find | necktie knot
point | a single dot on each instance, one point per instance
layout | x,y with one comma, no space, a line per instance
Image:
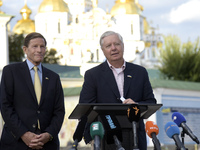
35,68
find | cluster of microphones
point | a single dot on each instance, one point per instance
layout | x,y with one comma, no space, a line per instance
109,129
172,131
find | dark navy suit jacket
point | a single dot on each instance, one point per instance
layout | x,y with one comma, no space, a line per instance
100,87
20,109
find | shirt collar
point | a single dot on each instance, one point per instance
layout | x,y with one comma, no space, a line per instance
30,65
123,66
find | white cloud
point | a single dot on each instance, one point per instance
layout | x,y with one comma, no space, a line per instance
186,12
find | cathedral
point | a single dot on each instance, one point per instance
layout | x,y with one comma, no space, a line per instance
73,28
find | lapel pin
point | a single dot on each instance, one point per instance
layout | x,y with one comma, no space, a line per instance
129,76
46,78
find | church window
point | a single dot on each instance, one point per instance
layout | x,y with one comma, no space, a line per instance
72,51
131,28
59,26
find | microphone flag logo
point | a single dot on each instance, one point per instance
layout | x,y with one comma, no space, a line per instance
136,110
95,126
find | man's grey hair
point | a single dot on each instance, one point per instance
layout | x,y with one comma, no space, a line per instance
108,33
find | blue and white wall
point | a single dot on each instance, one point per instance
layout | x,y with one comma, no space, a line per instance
185,102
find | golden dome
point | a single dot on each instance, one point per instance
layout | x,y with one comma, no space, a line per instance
146,26
140,6
53,6
125,7
25,25
1,3
25,12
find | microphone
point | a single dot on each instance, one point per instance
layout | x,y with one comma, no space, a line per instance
152,130
113,133
173,131
180,120
133,114
97,133
78,134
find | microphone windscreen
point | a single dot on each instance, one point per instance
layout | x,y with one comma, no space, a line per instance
150,128
112,127
178,118
78,134
133,113
96,128
171,129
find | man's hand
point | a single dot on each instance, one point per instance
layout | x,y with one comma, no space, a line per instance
28,137
44,137
35,141
129,101
40,140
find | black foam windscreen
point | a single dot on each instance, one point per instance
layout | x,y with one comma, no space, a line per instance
111,127
133,113
78,134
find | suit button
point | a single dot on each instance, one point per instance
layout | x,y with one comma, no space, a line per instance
34,126
38,112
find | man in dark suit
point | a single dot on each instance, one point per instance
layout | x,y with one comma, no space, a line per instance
31,121
117,81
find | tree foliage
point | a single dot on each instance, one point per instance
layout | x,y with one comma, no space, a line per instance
50,57
16,53
180,61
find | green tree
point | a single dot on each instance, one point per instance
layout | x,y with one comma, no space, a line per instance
50,57
16,53
180,61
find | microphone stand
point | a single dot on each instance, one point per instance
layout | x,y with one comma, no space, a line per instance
118,144
182,137
74,145
135,143
97,143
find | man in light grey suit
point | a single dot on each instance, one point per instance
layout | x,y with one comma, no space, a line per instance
31,123
117,81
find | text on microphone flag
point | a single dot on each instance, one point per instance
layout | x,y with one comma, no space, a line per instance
110,122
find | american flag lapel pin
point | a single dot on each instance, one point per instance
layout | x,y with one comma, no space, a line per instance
129,76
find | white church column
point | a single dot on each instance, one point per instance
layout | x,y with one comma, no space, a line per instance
4,57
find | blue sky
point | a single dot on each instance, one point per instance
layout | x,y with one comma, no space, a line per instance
178,17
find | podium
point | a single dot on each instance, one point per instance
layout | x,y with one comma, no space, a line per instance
93,110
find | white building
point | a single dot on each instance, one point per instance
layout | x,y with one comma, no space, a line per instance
4,57
73,28
4,20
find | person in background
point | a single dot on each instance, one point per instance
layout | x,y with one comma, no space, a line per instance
32,101
117,81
